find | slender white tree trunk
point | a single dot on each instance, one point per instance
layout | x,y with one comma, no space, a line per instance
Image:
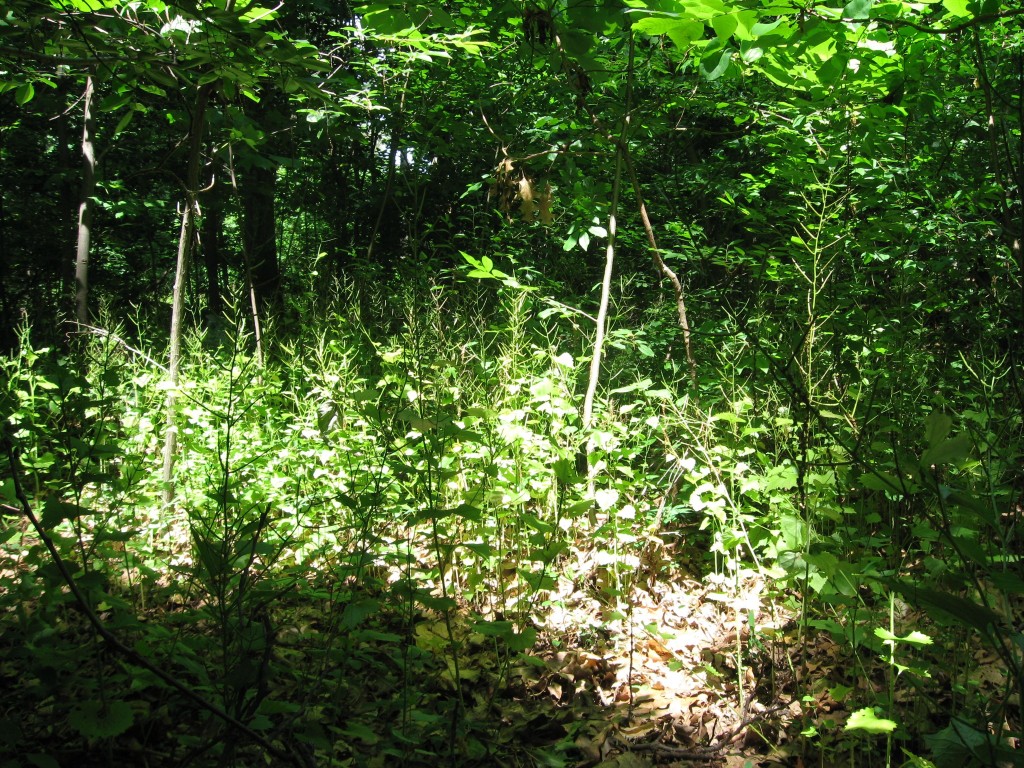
186,239
85,205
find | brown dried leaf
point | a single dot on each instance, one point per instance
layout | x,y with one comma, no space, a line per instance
526,189
546,197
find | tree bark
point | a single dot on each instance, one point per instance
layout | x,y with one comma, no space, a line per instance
260,229
186,239
210,240
85,205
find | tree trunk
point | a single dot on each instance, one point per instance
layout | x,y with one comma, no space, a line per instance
260,229
186,239
210,239
85,205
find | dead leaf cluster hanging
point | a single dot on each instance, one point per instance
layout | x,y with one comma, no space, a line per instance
538,26
513,188
504,189
537,205
579,80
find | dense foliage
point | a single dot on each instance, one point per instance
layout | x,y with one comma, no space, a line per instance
533,383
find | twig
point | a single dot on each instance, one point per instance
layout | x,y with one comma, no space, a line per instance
117,339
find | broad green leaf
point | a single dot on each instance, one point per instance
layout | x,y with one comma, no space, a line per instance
884,481
8,494
24,94
724,26
682,31
857,9
55,512
956,7
745,23
714,66
94,720
364,733
116,101
937,427
794,532
125,121
866,720
751,54
763,28
686,33
947,452
658,25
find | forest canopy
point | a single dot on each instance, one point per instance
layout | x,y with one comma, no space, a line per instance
556,383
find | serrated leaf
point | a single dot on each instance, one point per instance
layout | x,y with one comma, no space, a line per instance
914,638
947,452
606,498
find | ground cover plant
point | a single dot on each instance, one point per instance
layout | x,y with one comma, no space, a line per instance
526,384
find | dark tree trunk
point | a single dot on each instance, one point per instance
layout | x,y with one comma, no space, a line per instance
260,231
210,239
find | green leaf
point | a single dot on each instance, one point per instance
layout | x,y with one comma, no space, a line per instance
681,31
866,720
936,427
125,120
914,638
7,493
963,610
857,9
24,94
55,512
724,26
516,641
715,65
947,452
956,7
116,101
94,720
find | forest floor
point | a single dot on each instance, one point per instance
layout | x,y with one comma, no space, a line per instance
692,670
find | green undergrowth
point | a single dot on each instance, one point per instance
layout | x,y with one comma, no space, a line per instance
370,533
